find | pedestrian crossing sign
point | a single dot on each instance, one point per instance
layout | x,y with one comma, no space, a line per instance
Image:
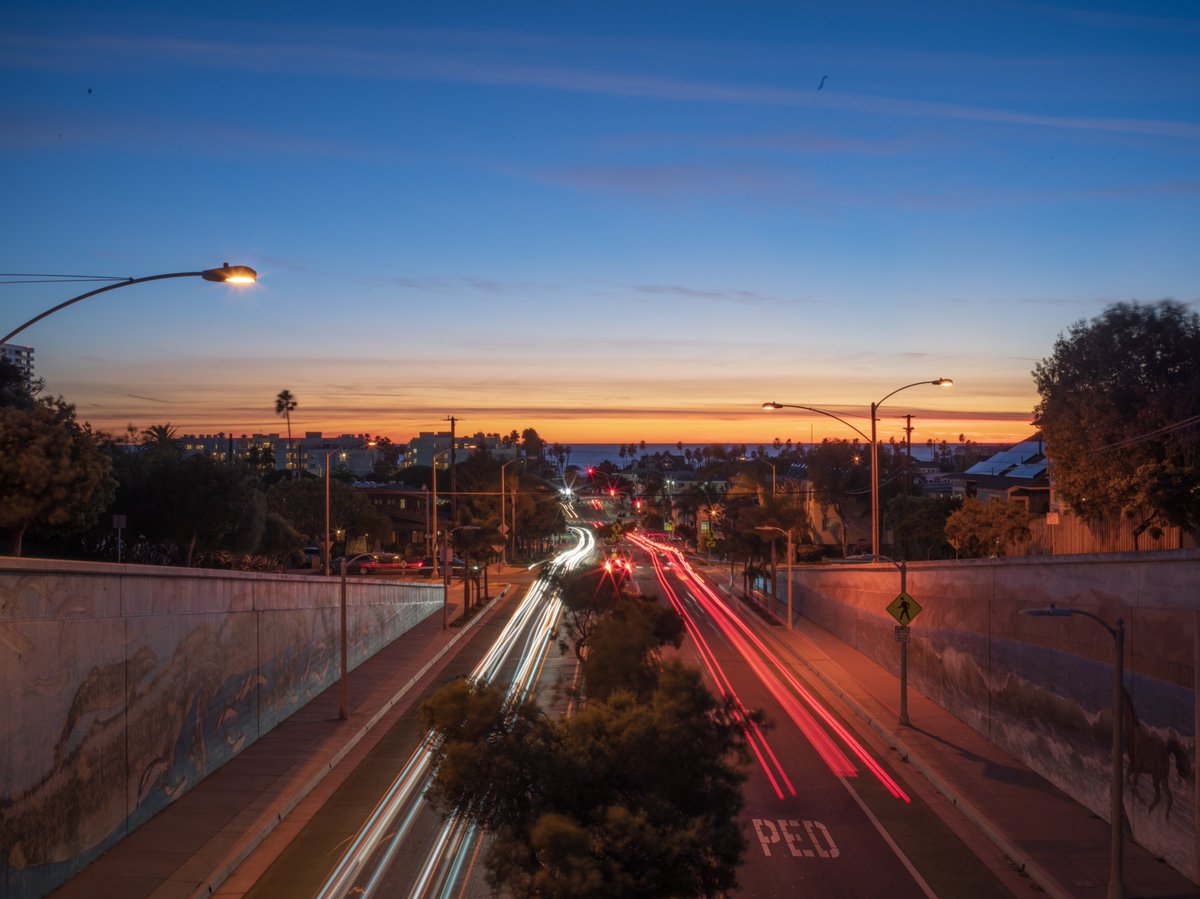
904,608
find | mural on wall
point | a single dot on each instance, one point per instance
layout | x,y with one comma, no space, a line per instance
112,717
1055,715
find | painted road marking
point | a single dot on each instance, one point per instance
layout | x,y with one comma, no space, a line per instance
814,842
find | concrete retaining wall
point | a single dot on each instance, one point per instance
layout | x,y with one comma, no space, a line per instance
122,686
1042,687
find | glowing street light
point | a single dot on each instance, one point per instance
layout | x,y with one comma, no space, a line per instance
1116,861
872,440
788,533
939,382
226,274
328,545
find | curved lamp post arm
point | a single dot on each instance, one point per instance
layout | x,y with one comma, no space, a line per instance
230,274
820,412
937,382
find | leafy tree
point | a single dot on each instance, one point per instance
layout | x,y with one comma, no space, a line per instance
919,526
302,504
627,798
15,388
985,528
198,503
840,470
1120,411
285,405
533,445
52,475
623,649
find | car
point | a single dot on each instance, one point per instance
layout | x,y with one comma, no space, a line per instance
456,566
374,563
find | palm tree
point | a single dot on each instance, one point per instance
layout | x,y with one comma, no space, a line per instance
285,403
162,438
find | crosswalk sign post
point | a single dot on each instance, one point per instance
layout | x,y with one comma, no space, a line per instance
904,609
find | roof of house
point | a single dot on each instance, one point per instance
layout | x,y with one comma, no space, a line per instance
1025,460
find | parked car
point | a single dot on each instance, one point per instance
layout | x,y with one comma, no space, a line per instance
375,563
456,566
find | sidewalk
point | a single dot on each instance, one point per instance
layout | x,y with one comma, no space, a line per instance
1059,844
194,846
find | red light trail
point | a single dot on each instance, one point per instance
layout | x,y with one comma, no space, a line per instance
782,684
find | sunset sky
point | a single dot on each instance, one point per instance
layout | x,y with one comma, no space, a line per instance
609,221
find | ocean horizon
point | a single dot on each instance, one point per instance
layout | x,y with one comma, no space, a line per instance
584,454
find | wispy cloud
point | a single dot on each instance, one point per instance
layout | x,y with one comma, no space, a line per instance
719,295
451,58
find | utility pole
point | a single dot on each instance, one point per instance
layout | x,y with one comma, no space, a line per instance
453,473
908,429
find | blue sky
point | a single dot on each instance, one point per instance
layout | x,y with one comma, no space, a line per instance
611,222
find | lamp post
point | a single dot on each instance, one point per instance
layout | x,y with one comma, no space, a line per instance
938,382
902,567
504,527
788,534
227,274
328,545
772,406
446,572
1116,868
433,463
344,701
872,441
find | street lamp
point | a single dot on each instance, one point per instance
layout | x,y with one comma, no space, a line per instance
872,440
788,534
939,382
773,406
446,572
503,526
226,274
433,463
344,701
901,635
1116,869
328,545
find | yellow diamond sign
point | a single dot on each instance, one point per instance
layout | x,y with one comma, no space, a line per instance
904,608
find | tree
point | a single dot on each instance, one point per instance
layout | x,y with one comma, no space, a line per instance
629,797
1120,412
919,526
302,504
15,388
285,405
162,440
198,502
52,474
981,529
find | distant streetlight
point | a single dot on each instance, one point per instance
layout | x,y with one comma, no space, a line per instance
226,274
328,545
436,452
788,534
938,382
872,440
1116,869
448,563
504,529
344,702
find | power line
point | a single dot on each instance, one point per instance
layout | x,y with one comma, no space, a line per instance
1150,435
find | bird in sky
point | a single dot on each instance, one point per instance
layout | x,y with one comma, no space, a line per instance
822,84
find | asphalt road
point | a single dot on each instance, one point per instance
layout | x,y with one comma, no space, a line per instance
826,812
